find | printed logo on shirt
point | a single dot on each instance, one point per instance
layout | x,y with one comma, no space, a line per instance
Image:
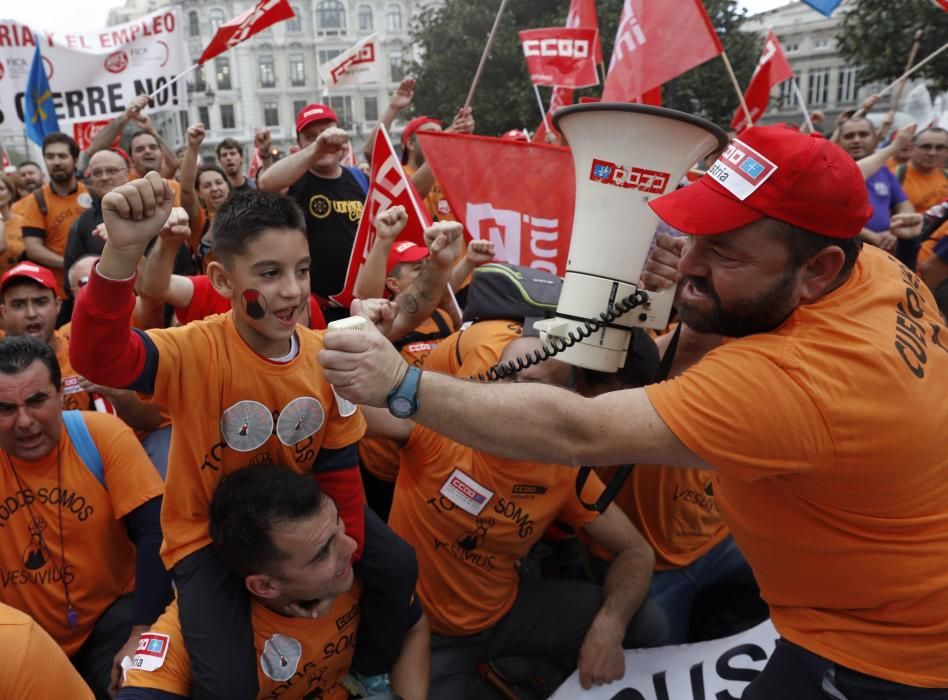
881,189
84,200
246,425
320,206
345,407
471,540
280,657
347,618
71,385
152,650
465,493
527,490
741,170
301,418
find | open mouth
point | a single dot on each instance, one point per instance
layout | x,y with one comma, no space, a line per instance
30,441
287,316
33,328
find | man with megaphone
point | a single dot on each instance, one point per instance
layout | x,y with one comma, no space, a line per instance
820,414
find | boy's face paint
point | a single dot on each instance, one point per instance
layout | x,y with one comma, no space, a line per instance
255,304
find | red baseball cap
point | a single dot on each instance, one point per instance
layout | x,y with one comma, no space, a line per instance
772,171
314,113
416,124
27,270
405,252
516,135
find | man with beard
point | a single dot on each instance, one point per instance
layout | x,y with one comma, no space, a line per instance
231,157
50,211
31,174
844,524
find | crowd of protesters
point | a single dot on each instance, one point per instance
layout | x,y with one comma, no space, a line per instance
191,509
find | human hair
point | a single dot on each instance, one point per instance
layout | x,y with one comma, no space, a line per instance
246,215
19,352
211,169
228,144
249,504
854,120
802,244
59,137
11,185
929,130
141,132
30,162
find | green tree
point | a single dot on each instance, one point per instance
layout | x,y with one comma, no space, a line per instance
450,39
876,35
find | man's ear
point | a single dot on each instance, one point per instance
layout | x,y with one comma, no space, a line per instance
818,274
221,280
391,285
263,586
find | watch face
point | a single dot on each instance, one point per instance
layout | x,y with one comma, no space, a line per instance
401,406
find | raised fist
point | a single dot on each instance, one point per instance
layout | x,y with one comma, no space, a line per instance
134,213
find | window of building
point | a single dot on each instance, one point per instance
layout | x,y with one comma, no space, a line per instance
204,116
200,79
194,27
326,55
787,98
330,17
846,88
216,18
393,18
222,70
342,106
395,61
817,86
370,108
294,25
267,74
228,120
297,70
823,42
271,113
365,18
298,106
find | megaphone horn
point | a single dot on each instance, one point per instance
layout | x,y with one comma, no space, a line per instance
623,156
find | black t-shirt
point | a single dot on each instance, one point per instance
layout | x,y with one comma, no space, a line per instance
249,185
332,208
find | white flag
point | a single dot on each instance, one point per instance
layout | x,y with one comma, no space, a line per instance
359,65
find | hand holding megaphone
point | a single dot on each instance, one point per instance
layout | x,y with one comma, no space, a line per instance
661,268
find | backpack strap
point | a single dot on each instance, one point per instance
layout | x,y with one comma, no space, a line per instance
360,177
81,440
900,173
41,201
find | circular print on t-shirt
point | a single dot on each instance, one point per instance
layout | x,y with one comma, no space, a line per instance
246,425
301,418
280,657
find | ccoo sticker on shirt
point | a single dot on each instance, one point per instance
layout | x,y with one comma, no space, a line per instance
465,493
151,653
741,170
71,385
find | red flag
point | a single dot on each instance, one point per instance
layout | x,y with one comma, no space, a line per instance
244,26
390,186
657,41
518,195
562,97
559,56
582,13
256,162
772,69
942,4
7,165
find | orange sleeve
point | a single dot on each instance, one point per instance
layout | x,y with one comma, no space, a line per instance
130,476
573,512
33,665
173,675
746,415
32,216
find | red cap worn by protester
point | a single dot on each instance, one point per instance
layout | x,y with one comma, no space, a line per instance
405,252
516,135
28,270
314,113
416,124
772,171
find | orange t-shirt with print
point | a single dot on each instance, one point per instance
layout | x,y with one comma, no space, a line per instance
32,666
474,349
75,398
233,408
831,475
61,213
13,232
928,246
470,517
99,564
299,658
925,190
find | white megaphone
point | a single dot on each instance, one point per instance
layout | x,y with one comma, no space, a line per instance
623,155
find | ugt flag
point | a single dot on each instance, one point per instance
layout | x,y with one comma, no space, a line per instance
824,7
38,108
561,57
356,66
657,41
772,69
518,195
390,186
245,25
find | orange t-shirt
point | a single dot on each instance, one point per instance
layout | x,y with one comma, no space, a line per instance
13,232
299,658
74,397
473,350
470,516
826,437
99,563
925,190
928,247
60,215
32,666
232,408
436,203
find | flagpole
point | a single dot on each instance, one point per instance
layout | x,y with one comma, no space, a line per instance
737,88
174,80
546,121
487,48
907,73
806,112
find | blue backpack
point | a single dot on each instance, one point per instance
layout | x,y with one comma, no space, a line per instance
78,433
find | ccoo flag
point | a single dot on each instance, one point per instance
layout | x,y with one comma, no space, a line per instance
38,109
245,25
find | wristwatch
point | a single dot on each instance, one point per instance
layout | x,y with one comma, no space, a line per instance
403,401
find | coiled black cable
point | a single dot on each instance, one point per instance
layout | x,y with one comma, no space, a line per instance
507,369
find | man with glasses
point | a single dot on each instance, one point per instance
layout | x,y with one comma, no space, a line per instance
924,178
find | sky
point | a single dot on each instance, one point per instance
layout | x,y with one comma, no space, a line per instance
77,15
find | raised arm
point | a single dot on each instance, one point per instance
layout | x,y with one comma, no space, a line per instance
285,172
463,123
370,282
479,252
158,279
871,164
105,138
169,161
189,197
263,142
400,100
